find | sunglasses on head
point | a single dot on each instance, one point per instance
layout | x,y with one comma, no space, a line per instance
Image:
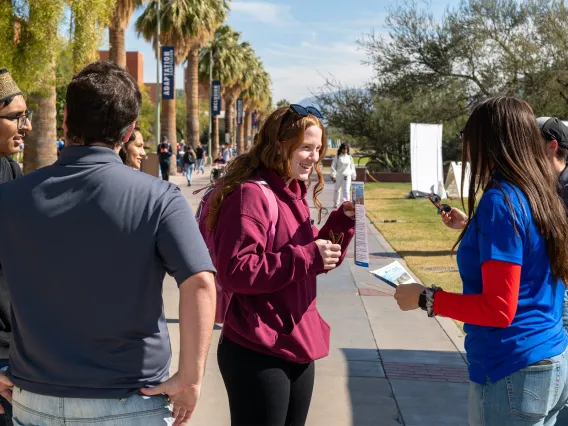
304,112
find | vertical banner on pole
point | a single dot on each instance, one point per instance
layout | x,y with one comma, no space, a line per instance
361,243
239,112
216,98
168,72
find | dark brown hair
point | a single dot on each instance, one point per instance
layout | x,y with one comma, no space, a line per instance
281,134
502,138
102,101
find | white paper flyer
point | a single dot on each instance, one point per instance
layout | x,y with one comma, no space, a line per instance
394,274
361,243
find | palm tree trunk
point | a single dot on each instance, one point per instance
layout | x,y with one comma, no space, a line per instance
229,118
214,137
168,120
240,139
247,129
40,148
192,97
117,51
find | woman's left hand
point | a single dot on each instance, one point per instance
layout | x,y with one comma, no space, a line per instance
349,209
407,295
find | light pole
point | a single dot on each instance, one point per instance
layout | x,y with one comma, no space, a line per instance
158,97
209,161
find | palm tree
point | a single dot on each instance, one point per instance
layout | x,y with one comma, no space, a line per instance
120,19
36,47
227,63
232,91
199,27
250,66
256,97
186,25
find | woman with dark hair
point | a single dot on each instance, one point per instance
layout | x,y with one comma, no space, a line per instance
132,152
513,261
188,163
268,254
342,172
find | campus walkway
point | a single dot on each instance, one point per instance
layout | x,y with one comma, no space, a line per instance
386,367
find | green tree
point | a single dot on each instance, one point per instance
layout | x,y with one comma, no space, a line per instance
120,20
282,102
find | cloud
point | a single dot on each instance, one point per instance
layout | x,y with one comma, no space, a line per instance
296,82
267,13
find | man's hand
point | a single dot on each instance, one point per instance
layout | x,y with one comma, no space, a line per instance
183,397
6,387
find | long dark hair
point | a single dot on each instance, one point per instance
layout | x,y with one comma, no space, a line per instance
281,133
502,138
343,146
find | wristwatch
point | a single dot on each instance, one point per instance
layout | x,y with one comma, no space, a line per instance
426,300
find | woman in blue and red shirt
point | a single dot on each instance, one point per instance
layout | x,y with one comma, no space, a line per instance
513,260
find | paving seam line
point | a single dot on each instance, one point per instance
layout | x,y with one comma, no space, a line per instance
383,241
400,418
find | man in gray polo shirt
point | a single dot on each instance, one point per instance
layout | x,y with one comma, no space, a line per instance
85,246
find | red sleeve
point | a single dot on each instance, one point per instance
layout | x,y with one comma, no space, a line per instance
243,264
337,222
496,306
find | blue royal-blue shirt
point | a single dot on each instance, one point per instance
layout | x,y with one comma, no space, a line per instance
506,231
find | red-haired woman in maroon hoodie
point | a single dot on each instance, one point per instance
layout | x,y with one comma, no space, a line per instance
273,332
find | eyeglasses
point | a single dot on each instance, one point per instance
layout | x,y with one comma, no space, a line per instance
22,119
304,112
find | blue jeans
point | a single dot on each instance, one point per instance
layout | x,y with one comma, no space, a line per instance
533,396
31,409
189,171
6,418
200,166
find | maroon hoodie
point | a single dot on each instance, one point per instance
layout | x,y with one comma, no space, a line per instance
273,310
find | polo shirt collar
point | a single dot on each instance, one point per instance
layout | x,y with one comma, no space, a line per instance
88,155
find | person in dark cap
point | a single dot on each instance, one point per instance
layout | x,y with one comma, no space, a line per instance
555,132
15,121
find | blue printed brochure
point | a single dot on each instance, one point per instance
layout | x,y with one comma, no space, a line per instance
393,274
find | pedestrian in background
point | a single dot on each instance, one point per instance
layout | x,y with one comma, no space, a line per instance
268,255
188,164
513,261
165,155
91,335
342,173
200,156
132,152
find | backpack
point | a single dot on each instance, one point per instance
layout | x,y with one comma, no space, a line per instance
223,296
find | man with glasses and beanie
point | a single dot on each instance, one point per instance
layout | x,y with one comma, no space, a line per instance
15,121
90,341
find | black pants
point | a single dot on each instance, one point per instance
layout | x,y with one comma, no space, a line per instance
165,170
264,390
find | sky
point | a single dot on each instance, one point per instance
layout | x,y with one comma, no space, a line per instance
301,43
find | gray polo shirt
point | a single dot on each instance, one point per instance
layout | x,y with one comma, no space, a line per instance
85,247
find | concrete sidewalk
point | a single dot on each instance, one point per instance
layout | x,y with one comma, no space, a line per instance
385,367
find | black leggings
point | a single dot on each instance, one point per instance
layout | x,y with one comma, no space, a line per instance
264,390
165,170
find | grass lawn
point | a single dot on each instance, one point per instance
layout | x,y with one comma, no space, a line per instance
422,240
